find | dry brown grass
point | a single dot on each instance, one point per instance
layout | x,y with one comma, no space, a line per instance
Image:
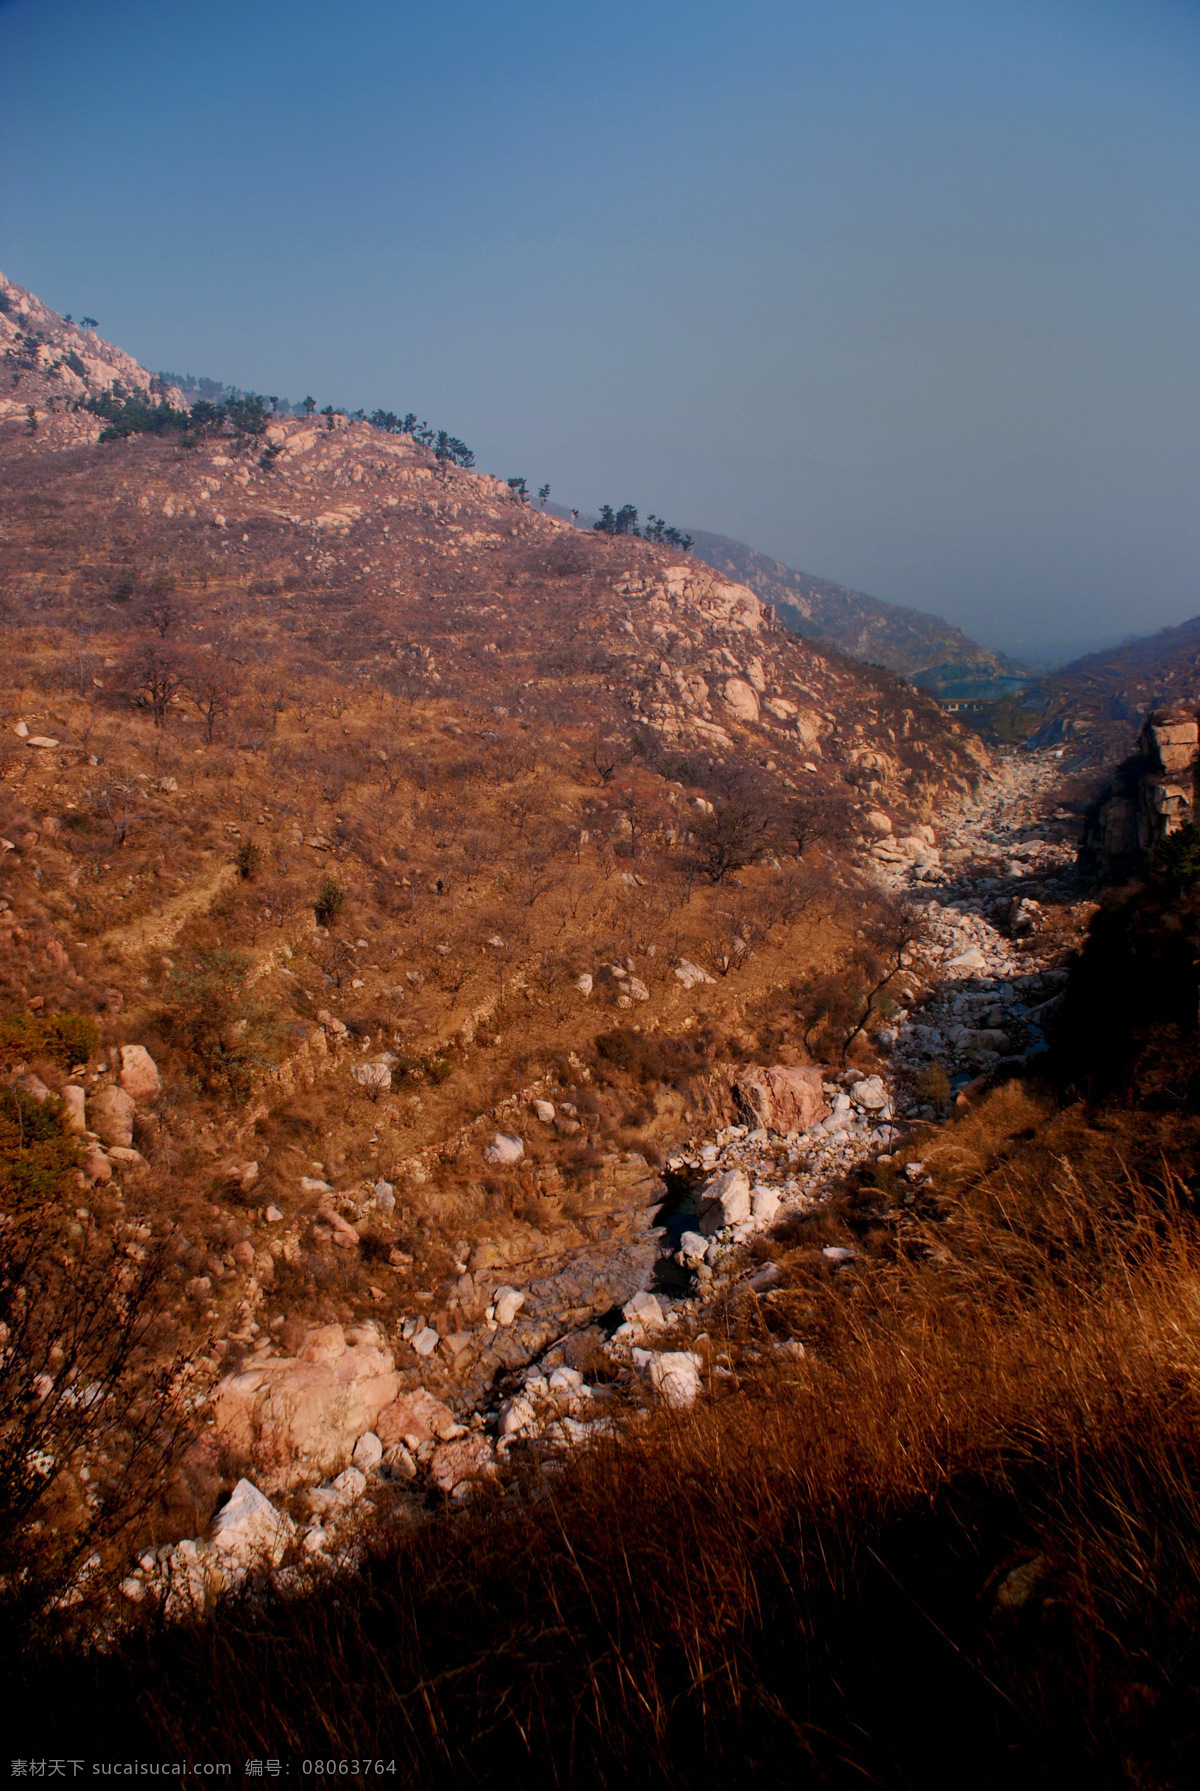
963,1534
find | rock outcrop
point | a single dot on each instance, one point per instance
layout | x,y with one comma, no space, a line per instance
298,1418
782,1099
1153,794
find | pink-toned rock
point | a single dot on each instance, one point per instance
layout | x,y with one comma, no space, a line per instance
453,1466
741,699
297,1419
97,1168
782,1099
111,1113
326,1344
139,1073
344,1234
417,1415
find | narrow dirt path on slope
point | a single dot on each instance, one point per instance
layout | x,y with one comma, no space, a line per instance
163,927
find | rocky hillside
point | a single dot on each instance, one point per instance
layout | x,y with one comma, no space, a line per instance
392,878
889,634
53,365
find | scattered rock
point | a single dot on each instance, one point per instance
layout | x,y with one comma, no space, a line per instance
374,1077
453,1466
302,1417
764,1205
674,1375
741,699
644,1310
690,974
516,1415
368,1452
97,1168
75,1103
415,1418
692,1248
1018,1587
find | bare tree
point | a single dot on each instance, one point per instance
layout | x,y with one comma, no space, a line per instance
116,804
731,836
92,1399
212,689
156,674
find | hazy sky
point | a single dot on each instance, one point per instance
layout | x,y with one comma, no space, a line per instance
902,291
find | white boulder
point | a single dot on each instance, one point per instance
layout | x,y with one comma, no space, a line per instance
674,1375
139,1075
506,1303
368,1452
724,1201
249,1530
504,1148
690,974
764,1205
643,1309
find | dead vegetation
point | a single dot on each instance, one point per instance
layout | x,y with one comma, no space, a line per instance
962,1530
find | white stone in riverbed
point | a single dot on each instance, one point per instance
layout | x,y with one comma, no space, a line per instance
643,1309
516,1415
506,1303
764,1205
725,1201
249,1529
350,1484
692,1246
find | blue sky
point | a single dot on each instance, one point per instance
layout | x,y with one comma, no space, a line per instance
903,293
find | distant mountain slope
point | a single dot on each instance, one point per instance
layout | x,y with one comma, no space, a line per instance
904,640
1098,702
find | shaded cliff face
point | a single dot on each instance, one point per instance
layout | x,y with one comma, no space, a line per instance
889,634
1153,796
